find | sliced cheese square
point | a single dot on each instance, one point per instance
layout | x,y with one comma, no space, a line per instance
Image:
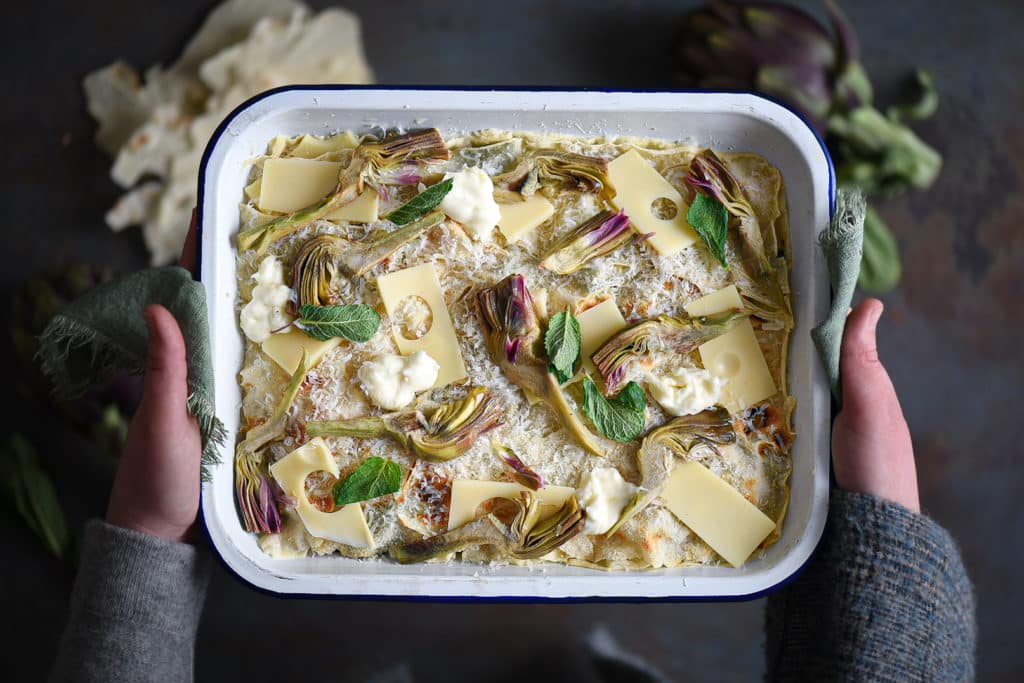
440,341
716,302
637,186
520,218
285,349
292,184
346,525
468,494
362,209
716,512
311,146
597,325
734,356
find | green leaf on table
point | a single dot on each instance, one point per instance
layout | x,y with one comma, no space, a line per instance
421,204
621,417
710,220
29,489
563,342
376,477
356,322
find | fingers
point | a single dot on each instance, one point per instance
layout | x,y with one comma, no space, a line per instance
865,380
166,382
189,253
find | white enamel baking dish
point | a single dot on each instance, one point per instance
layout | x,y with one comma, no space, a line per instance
727,121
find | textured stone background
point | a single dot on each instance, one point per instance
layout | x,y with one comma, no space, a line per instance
951,335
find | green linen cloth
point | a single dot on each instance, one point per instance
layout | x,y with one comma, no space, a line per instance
104,331
842,242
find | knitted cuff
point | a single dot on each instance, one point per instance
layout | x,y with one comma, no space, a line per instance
135,577
886,597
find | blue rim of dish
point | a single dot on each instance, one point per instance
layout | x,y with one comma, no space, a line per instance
513,599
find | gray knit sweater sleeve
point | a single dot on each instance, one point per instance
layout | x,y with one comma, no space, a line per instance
134,608
886,598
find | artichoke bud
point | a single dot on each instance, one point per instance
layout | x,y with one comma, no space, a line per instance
508,318
599,236
315,270
566,170
402,159
453,427
664,333
525,537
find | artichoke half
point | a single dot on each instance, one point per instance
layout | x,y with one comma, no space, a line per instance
674,439
598,236
448,432
394,160
525,537
754,260
513,338
564,170
323,258
259,510
664,333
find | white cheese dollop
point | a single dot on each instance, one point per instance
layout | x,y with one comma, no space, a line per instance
471,202
686,391
392,381
266,311
603,494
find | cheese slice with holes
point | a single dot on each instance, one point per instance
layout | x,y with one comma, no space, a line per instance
311,146
521,218
362,209
597,325
285,349
468,494
346,525
292,184
734,356
716,512
440,341
637,186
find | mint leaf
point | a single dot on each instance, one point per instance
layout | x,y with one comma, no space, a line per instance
621,417
357,322
563,342
710,220
376,477
421,204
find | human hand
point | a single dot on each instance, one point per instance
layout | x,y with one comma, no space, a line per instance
871,448
156,489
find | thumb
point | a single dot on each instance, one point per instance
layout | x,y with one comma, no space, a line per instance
866,384
166,382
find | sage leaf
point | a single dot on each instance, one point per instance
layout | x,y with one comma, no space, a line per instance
620,418
29,488
421,204
563,342
376,477
710,220
356,322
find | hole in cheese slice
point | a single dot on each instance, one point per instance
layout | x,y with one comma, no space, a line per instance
468,494
638,186
440,342
346,525
734,356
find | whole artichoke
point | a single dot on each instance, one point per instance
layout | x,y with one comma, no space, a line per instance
783,52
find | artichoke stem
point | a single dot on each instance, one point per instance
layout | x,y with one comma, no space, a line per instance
569,417
361,257
360,428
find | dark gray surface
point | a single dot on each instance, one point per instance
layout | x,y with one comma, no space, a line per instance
952,334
